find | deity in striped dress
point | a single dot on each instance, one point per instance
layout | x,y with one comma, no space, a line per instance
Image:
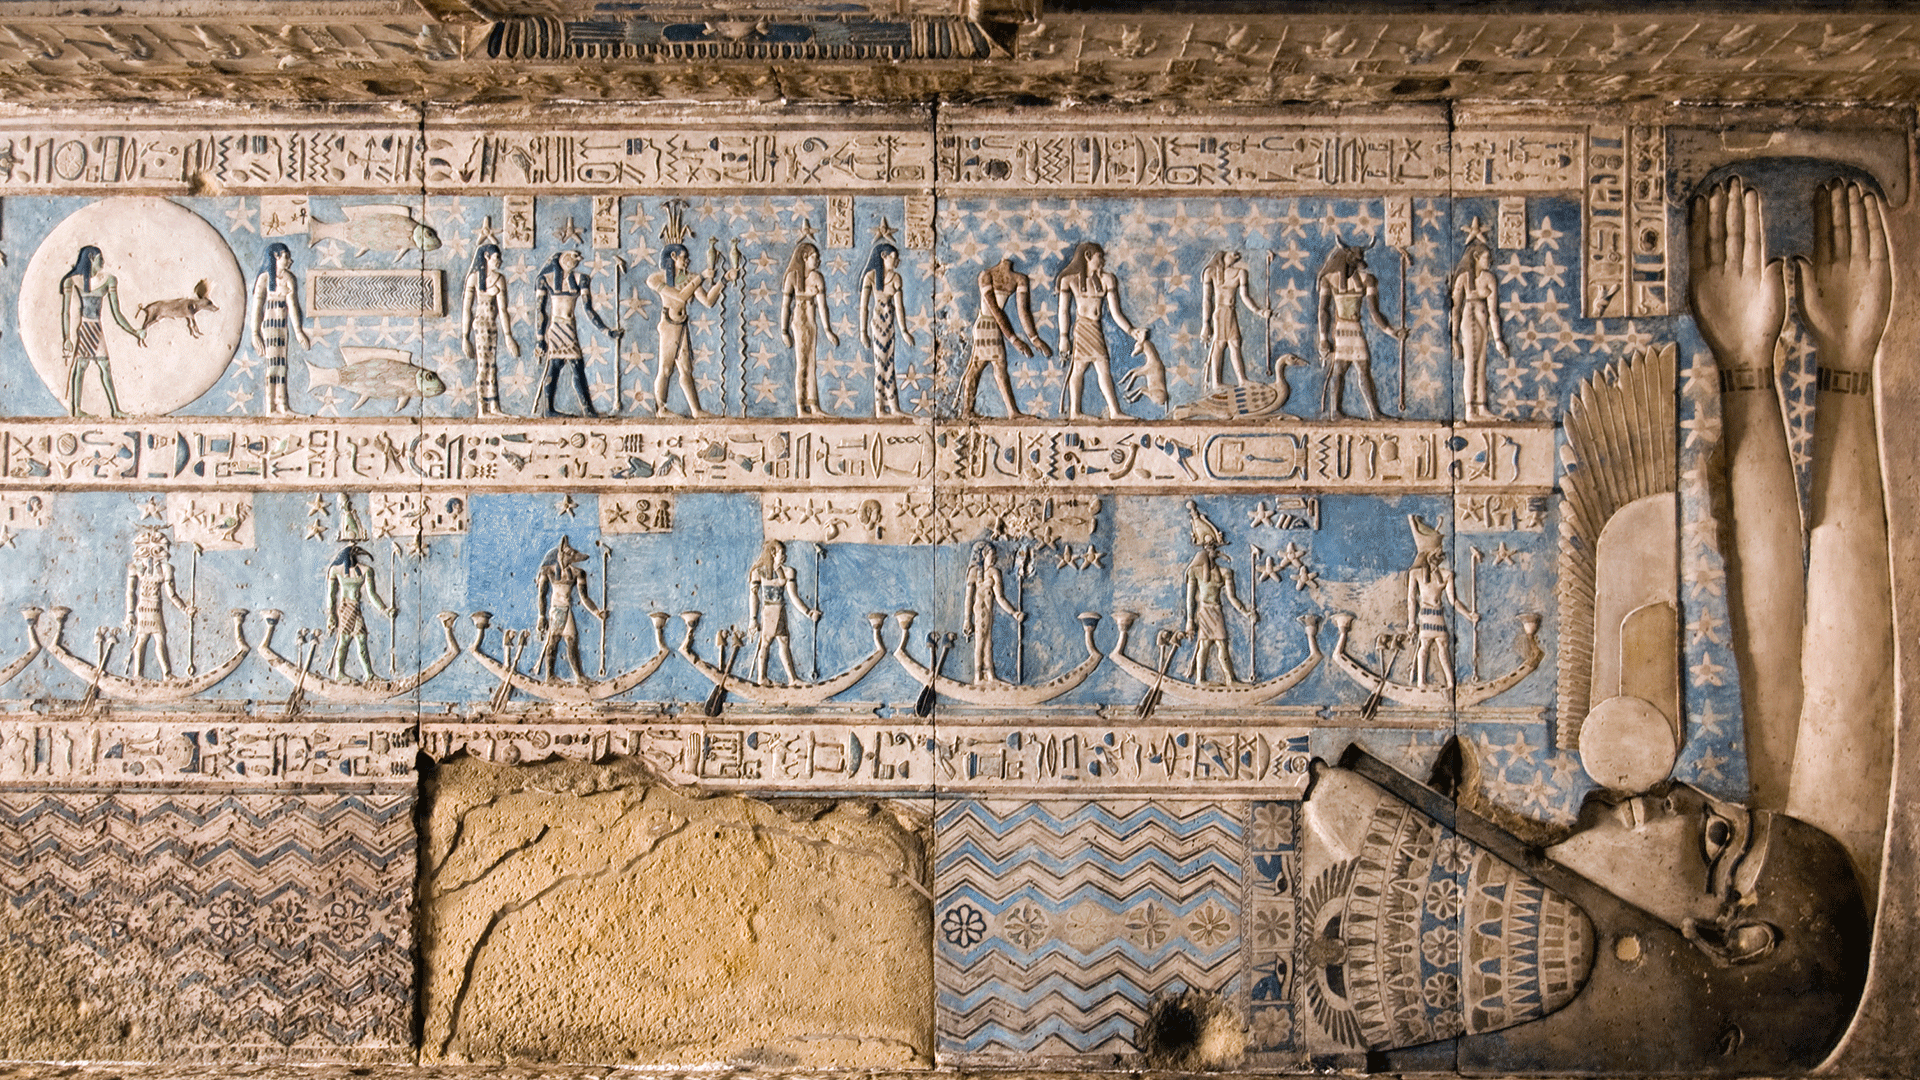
274,307
484,320
882,312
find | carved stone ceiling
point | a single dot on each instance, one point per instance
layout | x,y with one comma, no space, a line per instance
474,51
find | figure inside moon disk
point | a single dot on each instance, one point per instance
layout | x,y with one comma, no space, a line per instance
85,292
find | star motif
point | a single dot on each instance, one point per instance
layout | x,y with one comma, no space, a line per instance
240,217
1564,769
1267,570
487,234
1259,515
6,536
152,508
1709,719
1304,579
1503,555
1546,236
568,506
1293,557
883,234
1709,765
568,233
316,530
1092,559
806,230
1064,557
1475,230
419,548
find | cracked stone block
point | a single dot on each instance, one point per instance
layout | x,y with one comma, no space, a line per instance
582,913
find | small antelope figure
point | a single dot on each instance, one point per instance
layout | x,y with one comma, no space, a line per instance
186,307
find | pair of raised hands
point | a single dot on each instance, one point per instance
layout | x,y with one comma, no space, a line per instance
1844,291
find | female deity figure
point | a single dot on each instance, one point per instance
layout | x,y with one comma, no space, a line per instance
770,584
882,310
484,320
1085,285
562,288
803,315
1346,288
1224,287
985,592
274,307
83,291
1475,315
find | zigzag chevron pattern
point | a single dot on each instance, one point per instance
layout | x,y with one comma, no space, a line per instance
280,922
1058,924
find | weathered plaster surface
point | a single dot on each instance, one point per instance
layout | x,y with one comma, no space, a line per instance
582,912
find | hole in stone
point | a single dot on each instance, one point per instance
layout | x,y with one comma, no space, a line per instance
1191,1031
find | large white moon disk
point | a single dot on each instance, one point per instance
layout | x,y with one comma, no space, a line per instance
158,250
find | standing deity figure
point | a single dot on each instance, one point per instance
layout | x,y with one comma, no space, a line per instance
83,292
1223,288
803,317
678,287
1209,588
1476,321
484,320
882,311
1430,589
992,330
556,587
350,586
770,584
150,583
985,593
274,307
557,341
1085,285
1345,286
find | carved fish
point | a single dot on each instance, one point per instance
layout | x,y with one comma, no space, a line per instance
376,225
373,372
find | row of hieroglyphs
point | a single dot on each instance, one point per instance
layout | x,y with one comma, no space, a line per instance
1247,158
898,758
266,455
